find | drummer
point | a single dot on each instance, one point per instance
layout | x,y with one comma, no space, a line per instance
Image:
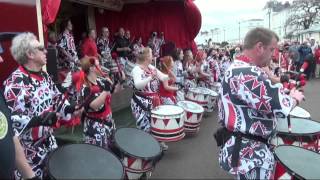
247,107
95,95
167,89
146,80
34,101
205,80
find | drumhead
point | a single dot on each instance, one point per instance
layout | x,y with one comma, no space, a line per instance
84,161
137,143
302,162
300,112
202,90
191,106
167,110
299,126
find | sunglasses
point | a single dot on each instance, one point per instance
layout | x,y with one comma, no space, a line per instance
40,48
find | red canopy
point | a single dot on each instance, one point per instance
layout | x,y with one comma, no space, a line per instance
179,20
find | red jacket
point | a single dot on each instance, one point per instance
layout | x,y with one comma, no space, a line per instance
317,55
89,48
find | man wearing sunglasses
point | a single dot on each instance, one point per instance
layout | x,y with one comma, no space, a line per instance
34,101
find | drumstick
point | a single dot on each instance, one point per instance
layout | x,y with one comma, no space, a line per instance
289,123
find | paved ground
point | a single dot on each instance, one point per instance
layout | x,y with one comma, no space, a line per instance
196,157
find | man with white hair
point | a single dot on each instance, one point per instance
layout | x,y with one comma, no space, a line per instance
34,101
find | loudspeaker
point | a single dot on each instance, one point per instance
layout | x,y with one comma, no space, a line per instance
52,62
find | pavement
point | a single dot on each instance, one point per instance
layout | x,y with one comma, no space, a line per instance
196,157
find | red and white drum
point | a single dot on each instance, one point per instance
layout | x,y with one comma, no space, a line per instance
167,123
203,96
305,133
193,116
139,151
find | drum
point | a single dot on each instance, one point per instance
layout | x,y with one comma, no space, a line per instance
84,161
203,96
298,162
300,112
304,133
139,151
193,116
167,123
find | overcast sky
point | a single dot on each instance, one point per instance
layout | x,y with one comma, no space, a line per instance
226,14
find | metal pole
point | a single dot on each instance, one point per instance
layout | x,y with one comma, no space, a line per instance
239,33
269,13
224,35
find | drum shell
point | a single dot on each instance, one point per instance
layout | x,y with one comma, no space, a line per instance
168,128
134,165
204,97
192,118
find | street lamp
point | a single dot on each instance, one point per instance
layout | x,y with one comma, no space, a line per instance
239,33
269,14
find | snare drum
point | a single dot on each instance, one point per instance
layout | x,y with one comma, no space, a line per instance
193,116
84,161
167,123
297,162
139,151
304,133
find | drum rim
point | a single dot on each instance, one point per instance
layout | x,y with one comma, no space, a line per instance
157,114
54,151
200,107
299,134
216,94
127,153
291,172
299,107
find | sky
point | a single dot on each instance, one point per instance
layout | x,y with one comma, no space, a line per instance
226,15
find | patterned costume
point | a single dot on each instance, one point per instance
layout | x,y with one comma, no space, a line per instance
104,50
190,81
30,94
145,96
249,104
205,81
214,68
178,72
167,97
66,42
98,125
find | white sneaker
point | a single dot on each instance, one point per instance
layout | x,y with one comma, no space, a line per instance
164,146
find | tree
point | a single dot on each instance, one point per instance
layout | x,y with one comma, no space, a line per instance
304,13
276,6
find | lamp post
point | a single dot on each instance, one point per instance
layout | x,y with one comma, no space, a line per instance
269,16
239,33
224,34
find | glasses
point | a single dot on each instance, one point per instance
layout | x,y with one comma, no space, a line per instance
40,48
